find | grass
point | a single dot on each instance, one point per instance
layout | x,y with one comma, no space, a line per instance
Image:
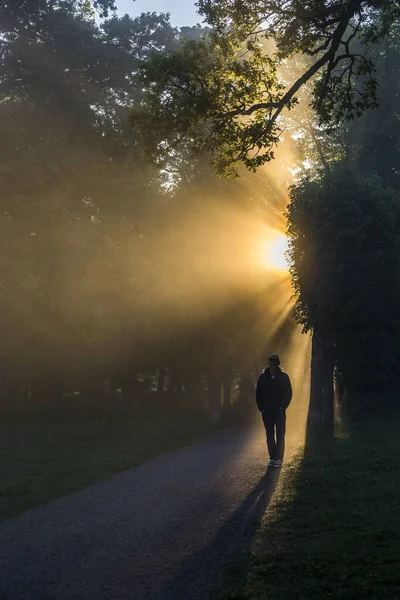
45,457
333,529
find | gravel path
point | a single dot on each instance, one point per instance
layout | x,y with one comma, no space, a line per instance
162,531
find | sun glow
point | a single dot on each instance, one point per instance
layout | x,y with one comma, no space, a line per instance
273,252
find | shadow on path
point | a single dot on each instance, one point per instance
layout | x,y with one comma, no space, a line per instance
202,575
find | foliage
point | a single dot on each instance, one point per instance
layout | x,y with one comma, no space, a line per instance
88,305
374,139
224,93
69,210
93,268
345,253
370,141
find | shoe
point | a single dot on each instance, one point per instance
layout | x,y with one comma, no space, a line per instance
272,463
278,464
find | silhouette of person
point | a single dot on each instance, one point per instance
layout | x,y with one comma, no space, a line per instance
273,396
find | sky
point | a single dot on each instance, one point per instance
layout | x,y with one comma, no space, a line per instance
183,12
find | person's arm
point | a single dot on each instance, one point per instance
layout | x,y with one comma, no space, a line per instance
259,393
287,395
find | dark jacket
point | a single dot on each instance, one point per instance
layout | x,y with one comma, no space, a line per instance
273,393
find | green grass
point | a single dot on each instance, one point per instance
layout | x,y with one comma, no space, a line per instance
46,457
333,529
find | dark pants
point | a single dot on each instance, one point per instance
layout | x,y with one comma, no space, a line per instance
275,427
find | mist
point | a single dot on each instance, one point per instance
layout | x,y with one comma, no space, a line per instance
187,403
117,280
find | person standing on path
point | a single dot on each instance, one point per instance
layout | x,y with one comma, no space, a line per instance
273,396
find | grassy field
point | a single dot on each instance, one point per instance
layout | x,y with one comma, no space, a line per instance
333,528
45,457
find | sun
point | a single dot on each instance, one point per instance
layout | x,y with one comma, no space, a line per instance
273,253
278,248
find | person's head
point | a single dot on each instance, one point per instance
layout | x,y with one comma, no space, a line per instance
273,363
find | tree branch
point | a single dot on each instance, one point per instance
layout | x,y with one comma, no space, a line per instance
353,7
328,57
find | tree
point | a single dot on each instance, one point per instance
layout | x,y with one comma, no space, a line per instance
76,194
374,139
91,298
371,143
345,252
224,93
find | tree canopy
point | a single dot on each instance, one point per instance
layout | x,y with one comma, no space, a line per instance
115,270
225,92
111,280
345,253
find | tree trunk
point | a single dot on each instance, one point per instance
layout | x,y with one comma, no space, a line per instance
161,378
171,384
315,408
214,399
194,389
227,383
320,414
340,416
175,383
339,389
328,389
246,389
